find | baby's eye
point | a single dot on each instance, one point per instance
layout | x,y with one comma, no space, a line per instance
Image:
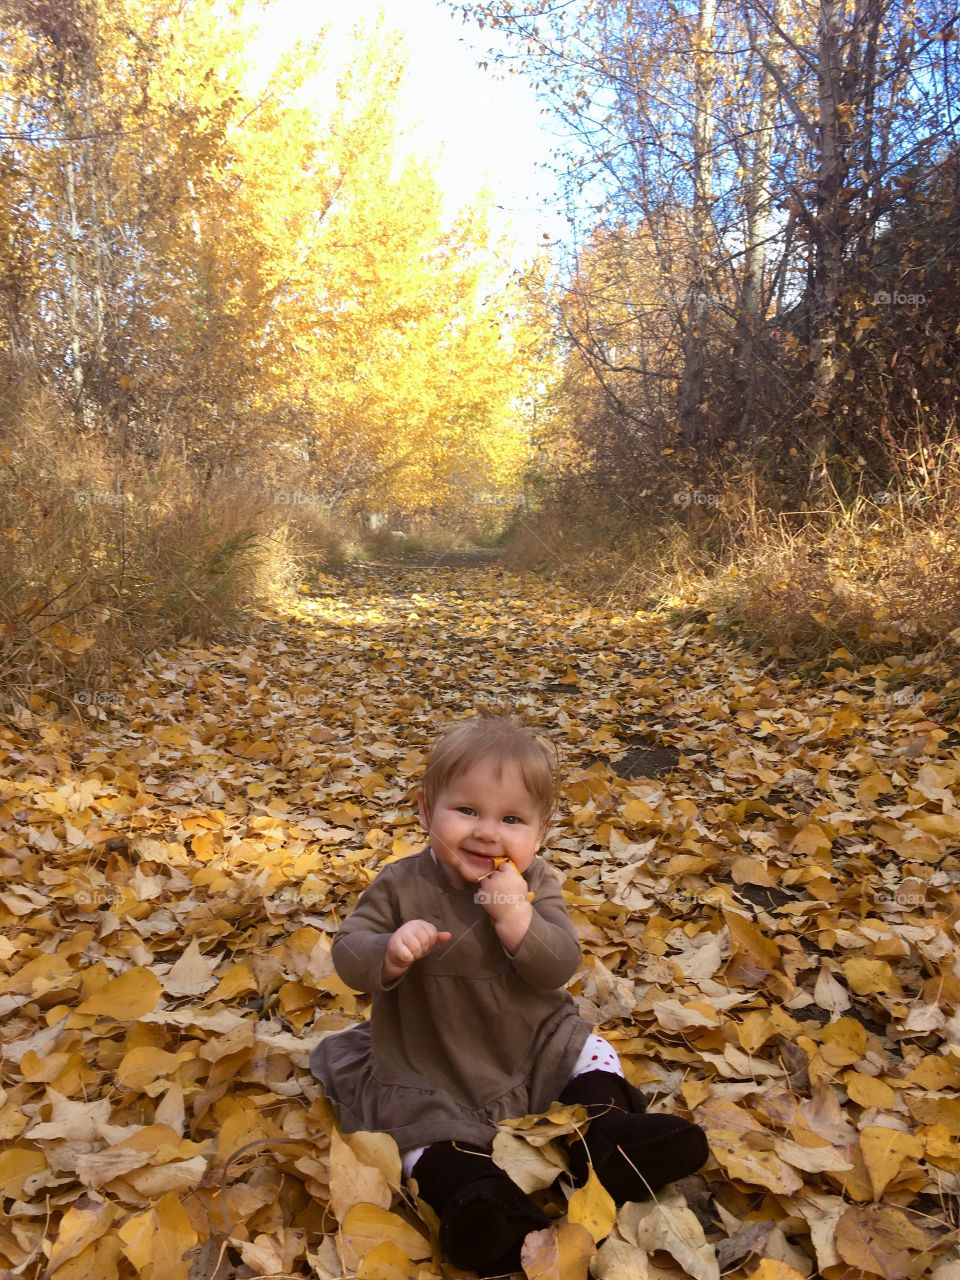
465,808
512,818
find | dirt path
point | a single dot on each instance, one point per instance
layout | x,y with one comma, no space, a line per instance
763,875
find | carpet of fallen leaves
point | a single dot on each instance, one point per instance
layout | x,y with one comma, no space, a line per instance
763,873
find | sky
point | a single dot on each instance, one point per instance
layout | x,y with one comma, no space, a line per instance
486,125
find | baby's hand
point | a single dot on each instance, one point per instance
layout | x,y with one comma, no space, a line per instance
497,864
504,891
412,941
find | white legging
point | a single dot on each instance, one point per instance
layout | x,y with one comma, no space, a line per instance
596,1055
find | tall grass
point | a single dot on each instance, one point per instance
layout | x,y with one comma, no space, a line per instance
874,571
102,562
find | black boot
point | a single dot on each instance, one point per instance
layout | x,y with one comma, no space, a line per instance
484,1216
632,1154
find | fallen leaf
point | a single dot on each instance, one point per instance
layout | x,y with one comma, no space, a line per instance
561,1252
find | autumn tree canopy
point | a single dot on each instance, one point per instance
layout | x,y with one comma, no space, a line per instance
257,273
771,190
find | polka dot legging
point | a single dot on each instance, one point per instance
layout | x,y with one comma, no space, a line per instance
596,1055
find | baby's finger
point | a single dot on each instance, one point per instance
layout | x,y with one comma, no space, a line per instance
444,935
421,937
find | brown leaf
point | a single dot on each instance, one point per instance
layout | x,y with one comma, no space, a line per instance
880,1238
561,1252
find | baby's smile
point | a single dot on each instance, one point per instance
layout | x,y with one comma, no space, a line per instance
482,863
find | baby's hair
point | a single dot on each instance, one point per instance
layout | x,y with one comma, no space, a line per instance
503,741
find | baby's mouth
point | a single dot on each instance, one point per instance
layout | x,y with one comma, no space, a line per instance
486,858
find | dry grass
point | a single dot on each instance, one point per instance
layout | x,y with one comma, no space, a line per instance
102,564
875,573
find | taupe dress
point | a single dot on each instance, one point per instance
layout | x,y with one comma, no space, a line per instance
469,1035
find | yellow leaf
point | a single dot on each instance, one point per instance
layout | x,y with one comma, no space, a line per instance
669,1224
937,1111
366,1226
750,871
637,813
863,325
237,981
728,1129
378,1151
156,1241
843,1042
593,1207
17,1165
80,1226
529,1166
192,975
125,998
755,956
870,977
876,1239
98,1261
810,840
353,1182
387,1262
875,784
206,845
772,1269
619,1260
934,1072
67,641
561,1252
884,1151
143,1065
867,1091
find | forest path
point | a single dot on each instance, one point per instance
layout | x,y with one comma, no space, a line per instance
763,874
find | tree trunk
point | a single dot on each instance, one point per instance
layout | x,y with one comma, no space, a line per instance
691,400
828,229
73,285
759,228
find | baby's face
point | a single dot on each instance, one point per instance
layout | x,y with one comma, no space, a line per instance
478,817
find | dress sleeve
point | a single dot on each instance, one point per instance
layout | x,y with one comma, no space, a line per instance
549,954
361,942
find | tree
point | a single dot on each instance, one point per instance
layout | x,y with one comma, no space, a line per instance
238,271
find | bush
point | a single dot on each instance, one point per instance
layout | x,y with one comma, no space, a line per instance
102,562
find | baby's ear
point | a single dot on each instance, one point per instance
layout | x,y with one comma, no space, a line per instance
423,808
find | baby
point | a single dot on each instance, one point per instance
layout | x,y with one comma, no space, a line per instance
466,947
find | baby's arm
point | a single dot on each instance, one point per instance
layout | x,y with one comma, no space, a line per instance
360,945
374,948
